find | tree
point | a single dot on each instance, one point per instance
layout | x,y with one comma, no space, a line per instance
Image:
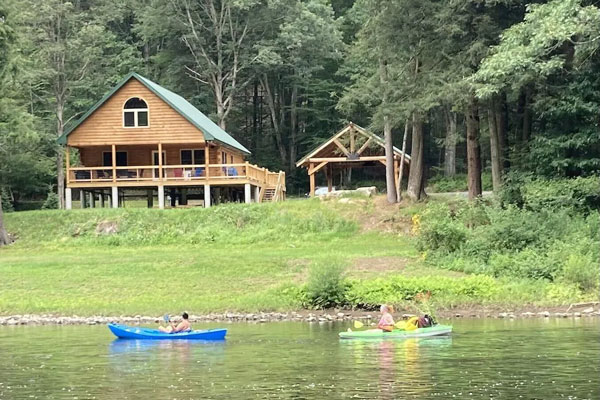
217,35
550,62
292,54
67,45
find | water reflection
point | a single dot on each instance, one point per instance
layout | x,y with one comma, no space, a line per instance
402,364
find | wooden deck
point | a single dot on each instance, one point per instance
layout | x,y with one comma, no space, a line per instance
271,185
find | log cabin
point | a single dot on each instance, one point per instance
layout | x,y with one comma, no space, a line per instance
142,137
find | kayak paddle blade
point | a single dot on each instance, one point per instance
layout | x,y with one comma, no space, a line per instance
358,324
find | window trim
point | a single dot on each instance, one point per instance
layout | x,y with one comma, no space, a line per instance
135,114
192,150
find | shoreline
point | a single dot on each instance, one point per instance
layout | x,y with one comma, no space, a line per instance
583,310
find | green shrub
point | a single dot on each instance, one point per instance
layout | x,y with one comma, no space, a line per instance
7,205
439,231
51,202
326,286
583,271
457,183
399,289
579,194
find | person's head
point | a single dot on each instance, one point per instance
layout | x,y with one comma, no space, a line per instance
386,308
184,315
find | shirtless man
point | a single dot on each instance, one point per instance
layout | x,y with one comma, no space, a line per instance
183,326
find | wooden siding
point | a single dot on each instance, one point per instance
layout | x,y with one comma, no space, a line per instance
105,125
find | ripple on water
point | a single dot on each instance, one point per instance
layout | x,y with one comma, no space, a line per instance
482,359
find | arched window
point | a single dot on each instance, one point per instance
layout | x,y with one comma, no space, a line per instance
135,113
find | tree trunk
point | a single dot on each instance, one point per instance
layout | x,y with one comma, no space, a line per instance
60,172
502,129
293,128
417,166
401,169
473,151
390,173
450,143
495,153
4,239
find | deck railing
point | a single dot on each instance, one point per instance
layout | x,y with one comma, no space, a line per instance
174,173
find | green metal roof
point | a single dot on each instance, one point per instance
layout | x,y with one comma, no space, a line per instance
211,131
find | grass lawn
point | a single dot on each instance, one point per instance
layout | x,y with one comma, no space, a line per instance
158,262
227,258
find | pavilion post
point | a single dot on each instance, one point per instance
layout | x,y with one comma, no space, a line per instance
329,171
311,175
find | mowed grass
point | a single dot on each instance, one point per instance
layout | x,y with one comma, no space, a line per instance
232,257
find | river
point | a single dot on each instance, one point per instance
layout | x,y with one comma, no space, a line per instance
483,358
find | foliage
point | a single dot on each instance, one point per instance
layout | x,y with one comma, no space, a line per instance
7,205
51,202
399,289
579,194
326,286
457,183
553,237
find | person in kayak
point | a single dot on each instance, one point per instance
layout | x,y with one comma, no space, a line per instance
183,326
386,323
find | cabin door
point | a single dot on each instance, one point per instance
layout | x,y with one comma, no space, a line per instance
155,162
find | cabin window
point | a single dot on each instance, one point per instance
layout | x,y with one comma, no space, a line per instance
223,157
135,113
192,157
121,157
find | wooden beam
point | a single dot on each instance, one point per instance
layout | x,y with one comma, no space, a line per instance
325,144
364,146
160,162
352,141
316,169
383,161
312,182
114,162
342,159
207,159
329,171
341,147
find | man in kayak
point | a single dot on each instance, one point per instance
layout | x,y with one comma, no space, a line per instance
183,326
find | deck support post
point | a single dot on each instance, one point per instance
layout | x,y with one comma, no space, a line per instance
256,194
183,198
68,199
82,198
92,200
247,194
161,197
150,198
102,198
206,196
115,197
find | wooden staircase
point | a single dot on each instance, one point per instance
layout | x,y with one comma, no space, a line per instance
270,194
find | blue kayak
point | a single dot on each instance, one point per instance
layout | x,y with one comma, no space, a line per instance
135,332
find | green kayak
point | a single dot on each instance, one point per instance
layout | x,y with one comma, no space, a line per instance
436,330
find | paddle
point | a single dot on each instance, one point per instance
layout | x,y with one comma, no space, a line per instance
398,325
166,318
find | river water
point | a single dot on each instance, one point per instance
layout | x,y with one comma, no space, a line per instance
483,359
